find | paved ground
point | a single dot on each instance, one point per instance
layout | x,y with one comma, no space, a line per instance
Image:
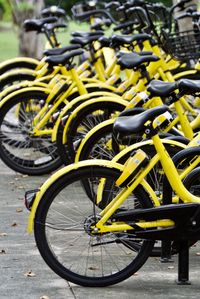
23,273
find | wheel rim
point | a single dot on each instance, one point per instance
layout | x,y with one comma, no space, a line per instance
65,225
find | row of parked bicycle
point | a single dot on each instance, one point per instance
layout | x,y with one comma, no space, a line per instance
45,141
124,108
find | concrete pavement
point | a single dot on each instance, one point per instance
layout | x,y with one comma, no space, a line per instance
24,274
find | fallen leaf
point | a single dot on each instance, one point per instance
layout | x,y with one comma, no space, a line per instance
3,234
18,210
30,274
93,268
14,224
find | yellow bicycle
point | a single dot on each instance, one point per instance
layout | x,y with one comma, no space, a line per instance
104,240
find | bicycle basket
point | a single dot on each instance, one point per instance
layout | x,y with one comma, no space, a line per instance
183,46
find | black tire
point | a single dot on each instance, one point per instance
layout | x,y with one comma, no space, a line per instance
86,118
182,160
63,236
192,181
18,149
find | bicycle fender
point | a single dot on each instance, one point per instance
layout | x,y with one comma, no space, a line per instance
78,101
19,86
22,90
60,173
15,60
87,103
16,72
100,85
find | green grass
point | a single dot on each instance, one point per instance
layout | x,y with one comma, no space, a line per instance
9,41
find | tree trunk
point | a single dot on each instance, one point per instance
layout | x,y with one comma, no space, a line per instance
30,43
186,23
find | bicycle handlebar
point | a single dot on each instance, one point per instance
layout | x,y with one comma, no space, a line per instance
100,23
93,13
112,4
124,25
53,10
137,10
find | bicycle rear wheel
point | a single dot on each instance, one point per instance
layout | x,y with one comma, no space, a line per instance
63,236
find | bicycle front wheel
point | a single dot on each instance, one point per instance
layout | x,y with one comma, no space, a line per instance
85,118
19,149
62,230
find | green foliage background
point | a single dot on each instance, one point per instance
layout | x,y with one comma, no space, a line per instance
67,4
5,12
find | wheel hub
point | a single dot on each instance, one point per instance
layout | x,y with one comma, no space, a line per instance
89,224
